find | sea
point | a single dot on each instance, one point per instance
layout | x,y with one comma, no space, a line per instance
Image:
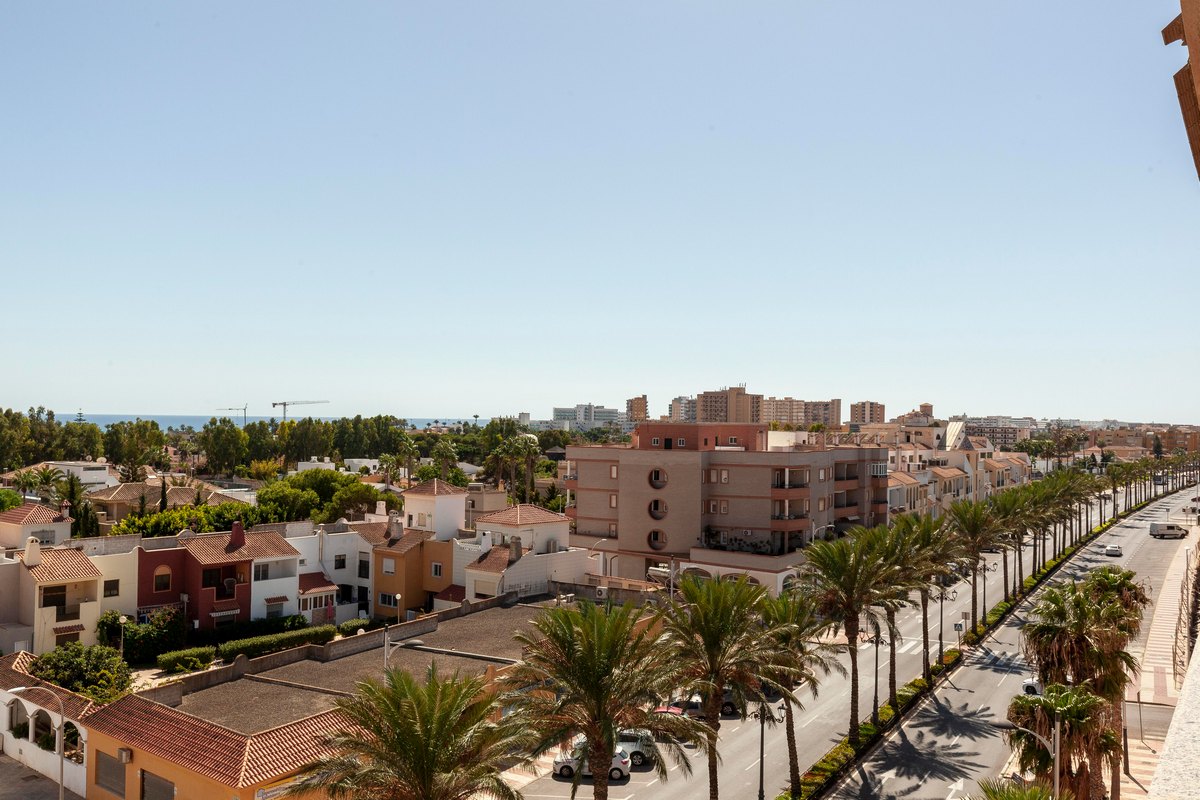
198,421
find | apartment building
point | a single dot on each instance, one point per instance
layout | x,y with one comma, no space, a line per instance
48,525
802,413
867,411
637,409
682,409
586,416
730,404
720,499
1002,431
1185,28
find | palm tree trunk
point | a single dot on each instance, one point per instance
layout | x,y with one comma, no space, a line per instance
1004,560
601,762
852,641
1114,792
891,622
793,754
926,672
974,597
713,718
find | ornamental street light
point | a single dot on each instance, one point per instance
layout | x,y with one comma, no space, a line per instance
764,713
876,638
1051,746
61,733
942,596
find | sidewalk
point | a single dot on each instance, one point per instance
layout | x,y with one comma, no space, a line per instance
1156,681
522,775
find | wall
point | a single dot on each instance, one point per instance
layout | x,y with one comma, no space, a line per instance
531,574
148,560
443,553
188,785
122,567
14,536
39,760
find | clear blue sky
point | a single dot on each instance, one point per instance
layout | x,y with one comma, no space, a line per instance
444,209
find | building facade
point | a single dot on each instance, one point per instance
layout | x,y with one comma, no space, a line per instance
867,411
731,404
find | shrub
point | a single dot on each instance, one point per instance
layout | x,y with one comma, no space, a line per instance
246,630
262,645
352,626
21,730
96,671
187,660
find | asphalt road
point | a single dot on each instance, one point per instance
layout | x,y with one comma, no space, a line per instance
823,722
944,749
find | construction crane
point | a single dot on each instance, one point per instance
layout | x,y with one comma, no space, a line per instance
236,408
286,403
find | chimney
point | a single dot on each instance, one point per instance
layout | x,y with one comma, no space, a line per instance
64,508
514,549
237,538
394,528
380,507
485,542
33,552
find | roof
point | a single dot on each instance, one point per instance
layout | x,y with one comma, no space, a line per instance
282,598
523,514
211,750
452,593
437,486
899,478
312,582
75,628
948,472
14,672
61,564
216,548
372,532
407,541
32,514
494,560
995,464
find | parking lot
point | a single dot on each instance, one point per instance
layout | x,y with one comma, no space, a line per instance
18,782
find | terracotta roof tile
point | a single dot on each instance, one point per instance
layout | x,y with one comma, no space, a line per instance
216,548
14,672
372,532
32,514
283,598
76,628
494,560
407,541
452,593
523,514
311,582
226,605
61,564
283,750
437,486
948,472
900,478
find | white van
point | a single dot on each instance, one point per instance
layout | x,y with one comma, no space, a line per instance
1161,530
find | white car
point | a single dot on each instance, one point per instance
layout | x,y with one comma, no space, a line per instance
1032,686
567,764
1112,550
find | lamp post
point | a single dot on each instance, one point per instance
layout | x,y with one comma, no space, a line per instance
62,734
985,570
1051,746
875,638
122,619
942,597
764,711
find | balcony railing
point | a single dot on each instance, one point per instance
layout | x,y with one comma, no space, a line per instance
792,485
66,613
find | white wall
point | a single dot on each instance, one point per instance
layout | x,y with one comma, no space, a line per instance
444,514
14,535
121,567
34,757
323,558
530,574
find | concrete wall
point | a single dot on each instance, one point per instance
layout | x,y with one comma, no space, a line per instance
532,573
123,568
34,757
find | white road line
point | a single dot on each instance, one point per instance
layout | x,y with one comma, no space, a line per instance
734,730
651,783
753,764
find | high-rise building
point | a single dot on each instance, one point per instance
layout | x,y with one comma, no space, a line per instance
732,404
587,415
868,412
802,413
637,409
1186,28
683,409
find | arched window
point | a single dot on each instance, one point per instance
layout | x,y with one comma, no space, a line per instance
162,578
18,719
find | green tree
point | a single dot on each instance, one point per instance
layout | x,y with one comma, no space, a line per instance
95,671
1083,736
408,740
607,670
81,441
445,456
261,444
1001,789
14,440
290,502
9,499
306,438
977,529
224,444
47,477
350,500
406,451
70,489
126,442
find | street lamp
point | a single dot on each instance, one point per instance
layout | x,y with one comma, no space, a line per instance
122,619
877,639
942,596
764,712
985,570
62,733
1051,746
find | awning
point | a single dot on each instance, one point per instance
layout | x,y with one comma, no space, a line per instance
233,612
62,629
274,601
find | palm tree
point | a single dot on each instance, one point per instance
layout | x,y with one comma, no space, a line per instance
906,571
717,641
977,529
25,481
844,578
445,456
1000,789
407,740
525,448
1083,735
406,450
1011,509
792,619
47,477
938,551
389,465
607,669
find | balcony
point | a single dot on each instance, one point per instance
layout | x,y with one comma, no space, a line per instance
793,523
66,613
845,484
745,560
571,480
789,491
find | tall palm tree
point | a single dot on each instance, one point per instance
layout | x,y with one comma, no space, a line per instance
445,456
1011,509
906,571
607,669
1001,789
389,465
407,451
938,551
25,481
408,740
977,529
525,450
844,578
797,627
47,477
1083,735
717,641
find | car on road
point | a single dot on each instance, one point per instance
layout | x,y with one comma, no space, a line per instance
1112,550
1161,530
1031,686
567,764
639,744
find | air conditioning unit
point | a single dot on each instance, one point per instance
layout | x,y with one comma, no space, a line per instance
552,545
124,755
601,592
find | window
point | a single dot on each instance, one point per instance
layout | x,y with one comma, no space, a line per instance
262,572
110,774
389,566
612,471
364,567
112,588
733,440
63,638
436,569
712,476
387,599
612,529
724,506
612,501
712,506
654,442
210,578
724,476
821,474
162,578
339,562
156,788
54,596
681,442
421,520
821,504
658,478
274,610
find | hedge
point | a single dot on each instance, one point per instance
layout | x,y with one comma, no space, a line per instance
823,774
353,626
247,629
188,660
261,645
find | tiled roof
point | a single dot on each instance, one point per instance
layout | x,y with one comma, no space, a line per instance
61,564
494,560
216,548
32,514
311,582
452,593
283,750
283,598
14,672
437,486
901,478
523,514
216,498
76,628
372,532
407,541
948,472
226,605
994,464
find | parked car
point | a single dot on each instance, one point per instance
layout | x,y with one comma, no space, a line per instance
1112,550
694,706
639,744
567,764
1031,686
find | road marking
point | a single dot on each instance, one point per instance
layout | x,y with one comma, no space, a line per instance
734,730
651,783
672,769
753,764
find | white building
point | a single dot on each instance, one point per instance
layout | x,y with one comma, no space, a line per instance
48,525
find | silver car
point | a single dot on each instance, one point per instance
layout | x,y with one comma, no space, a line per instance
567,764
